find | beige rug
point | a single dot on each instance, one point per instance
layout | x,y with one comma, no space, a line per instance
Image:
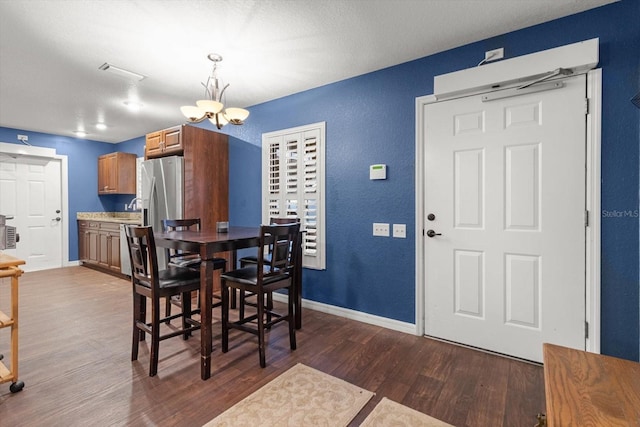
302,396
389,413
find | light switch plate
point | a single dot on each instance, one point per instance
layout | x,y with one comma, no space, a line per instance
381,229
400,230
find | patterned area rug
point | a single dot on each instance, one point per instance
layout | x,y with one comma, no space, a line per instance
302,396
389,413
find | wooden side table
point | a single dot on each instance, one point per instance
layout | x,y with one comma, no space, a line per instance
9,268
587,389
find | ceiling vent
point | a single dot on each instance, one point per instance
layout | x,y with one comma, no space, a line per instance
129,75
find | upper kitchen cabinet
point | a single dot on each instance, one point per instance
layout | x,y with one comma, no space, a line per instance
166,142
117,173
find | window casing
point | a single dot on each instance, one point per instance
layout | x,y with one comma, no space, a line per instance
293,184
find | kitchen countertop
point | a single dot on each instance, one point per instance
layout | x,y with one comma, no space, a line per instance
119,217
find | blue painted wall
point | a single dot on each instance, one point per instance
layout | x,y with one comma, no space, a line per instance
83,175
371,119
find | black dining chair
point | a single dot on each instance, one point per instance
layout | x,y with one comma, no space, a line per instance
278,272
186,259
253,259
150,283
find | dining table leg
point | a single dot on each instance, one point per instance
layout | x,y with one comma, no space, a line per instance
206,339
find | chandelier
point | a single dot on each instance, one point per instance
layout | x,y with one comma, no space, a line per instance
212,107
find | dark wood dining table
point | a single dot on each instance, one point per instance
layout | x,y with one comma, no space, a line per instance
208,244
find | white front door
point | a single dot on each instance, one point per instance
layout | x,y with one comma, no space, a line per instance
505,183
30,192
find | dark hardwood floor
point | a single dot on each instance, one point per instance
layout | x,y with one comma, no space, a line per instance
75,345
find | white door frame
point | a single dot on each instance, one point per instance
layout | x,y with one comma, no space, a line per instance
50,153
592,273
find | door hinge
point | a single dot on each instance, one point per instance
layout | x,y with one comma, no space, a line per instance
586,329
586,106
586,218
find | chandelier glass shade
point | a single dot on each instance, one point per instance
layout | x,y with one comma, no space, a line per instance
212,107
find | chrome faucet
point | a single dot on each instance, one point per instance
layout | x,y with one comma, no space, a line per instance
133,204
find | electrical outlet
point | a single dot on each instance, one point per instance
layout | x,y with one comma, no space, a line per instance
23,138
492,55
400,230
380,229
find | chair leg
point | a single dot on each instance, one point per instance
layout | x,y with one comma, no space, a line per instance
291,320
269,305
155,337
185,298
136,333
143,315
224,291
241,302
261,343
167,309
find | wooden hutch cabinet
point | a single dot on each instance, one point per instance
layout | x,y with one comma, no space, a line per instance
206,172
117,173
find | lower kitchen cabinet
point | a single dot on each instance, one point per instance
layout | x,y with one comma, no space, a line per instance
99,244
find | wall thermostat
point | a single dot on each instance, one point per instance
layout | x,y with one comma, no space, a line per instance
378,172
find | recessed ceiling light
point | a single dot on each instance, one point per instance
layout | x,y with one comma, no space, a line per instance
80,133
101,126
133,106
121,72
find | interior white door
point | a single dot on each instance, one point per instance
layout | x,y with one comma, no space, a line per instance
505,182
30,192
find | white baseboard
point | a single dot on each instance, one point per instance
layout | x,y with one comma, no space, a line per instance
395,325
72,264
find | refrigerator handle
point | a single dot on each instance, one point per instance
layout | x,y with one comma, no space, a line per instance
151,212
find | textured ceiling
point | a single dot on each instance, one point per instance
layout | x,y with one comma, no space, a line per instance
50,51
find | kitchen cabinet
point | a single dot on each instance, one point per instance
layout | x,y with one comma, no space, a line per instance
166,142
88,241
99,244
117,173
206,171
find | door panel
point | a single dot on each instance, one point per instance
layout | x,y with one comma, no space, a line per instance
506,182
30,192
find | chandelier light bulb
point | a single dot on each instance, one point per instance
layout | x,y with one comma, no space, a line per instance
209,106
236,116
192,113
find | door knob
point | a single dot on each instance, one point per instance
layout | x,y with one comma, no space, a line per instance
58,218
432,233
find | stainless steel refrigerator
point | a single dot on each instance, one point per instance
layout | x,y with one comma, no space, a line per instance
162,193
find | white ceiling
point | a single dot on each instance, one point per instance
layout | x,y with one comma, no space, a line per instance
50,51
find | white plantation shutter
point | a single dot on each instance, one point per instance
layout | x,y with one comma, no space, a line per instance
293,184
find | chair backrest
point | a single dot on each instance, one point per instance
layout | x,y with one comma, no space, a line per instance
179,224
142,252
281,241
283,220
